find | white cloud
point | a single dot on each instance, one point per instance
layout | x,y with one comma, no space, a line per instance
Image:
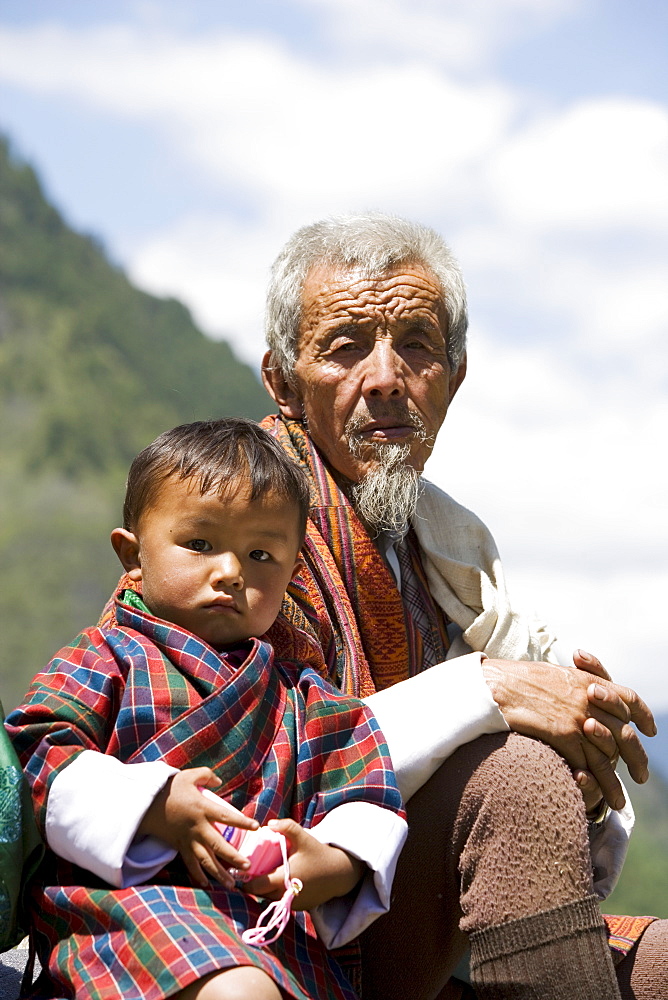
538,441
596,304
599,165
626,314
461,34
219,267
245,110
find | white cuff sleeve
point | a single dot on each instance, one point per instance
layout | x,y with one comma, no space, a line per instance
375,836
426,718
609,844
95,805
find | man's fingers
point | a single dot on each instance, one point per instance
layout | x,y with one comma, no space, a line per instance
603,772
599,734
587,661
623,702
616,739
640,713
591,791
633,754
605,696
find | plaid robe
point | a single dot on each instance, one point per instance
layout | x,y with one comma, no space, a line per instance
347,599
280,739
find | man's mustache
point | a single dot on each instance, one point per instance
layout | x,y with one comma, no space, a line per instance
386,411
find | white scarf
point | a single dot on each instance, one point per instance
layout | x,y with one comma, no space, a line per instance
466,579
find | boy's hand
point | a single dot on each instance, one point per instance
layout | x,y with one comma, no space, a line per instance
183,817
325,871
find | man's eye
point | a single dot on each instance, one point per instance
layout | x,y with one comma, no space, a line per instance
344,343
199,545
418,342
259,555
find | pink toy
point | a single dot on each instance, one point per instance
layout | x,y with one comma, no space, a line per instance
262,847
266,849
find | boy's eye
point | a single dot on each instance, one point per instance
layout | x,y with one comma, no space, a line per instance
260,555
198,545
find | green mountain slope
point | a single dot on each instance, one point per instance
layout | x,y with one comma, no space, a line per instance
643,886
91,369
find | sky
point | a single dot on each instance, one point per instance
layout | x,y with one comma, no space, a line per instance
192,137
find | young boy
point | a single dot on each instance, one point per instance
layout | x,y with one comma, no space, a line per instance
174,693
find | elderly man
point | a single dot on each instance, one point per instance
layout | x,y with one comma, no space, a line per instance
366,327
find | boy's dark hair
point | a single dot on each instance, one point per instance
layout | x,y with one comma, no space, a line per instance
215,454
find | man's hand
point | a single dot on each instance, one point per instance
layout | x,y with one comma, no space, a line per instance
183,817
580,713
325,871
597,695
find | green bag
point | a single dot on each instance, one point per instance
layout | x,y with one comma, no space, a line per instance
21,847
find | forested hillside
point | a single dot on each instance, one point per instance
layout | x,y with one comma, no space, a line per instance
643,886
91,369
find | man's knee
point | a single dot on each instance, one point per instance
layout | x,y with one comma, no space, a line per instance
503,794
518,772
501,773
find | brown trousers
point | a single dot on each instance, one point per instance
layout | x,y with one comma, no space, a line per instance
497,843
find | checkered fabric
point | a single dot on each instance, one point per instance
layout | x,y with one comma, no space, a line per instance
282,741
416,597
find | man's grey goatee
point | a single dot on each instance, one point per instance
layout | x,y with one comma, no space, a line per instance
386,498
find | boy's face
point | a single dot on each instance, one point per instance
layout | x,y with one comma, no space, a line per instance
218,567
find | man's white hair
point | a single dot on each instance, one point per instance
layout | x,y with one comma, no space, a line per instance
374,244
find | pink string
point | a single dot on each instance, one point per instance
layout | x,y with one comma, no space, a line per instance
275,917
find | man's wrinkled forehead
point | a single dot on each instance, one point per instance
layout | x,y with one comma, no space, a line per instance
334,293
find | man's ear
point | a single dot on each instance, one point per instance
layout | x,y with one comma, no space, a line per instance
456,379
126,547
280,389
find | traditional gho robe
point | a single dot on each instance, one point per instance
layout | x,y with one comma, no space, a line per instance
282,742
347,599
346,595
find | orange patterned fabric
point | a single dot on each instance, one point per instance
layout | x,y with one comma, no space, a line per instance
347,593
624,933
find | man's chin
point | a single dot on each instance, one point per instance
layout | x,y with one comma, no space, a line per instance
370,457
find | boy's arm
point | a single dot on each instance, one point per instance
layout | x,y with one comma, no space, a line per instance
87,804
94,810
70,707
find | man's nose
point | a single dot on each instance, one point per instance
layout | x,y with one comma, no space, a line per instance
228,571
383,376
